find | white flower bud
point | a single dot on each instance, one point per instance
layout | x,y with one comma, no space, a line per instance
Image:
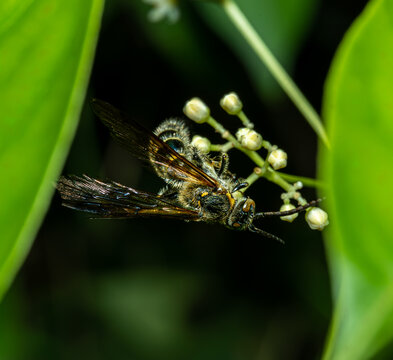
231,103
249,139
162,9
196,110
316,218
289,218
278,159
242,132
298,185
201,143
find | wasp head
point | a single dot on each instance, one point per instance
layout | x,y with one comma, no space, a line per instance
242,214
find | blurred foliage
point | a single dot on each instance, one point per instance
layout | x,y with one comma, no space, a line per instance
47,49
281,23
149,310
358,110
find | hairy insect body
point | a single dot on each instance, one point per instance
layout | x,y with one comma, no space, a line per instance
175,133
199,187
217,206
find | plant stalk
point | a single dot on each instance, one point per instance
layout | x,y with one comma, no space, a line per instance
275,68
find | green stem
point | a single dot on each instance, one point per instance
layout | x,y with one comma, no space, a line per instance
305,180
277,179
250,180
275,68
245,120
269,174
263,170
221,147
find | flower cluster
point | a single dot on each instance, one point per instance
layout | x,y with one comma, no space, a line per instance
250,141
163,9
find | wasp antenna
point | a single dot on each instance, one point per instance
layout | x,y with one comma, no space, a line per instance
288,212
253,229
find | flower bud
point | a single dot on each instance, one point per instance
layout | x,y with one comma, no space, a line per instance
162,9
196,110
316,218
298,185
249,139
201,143
231,103
278,159
289,218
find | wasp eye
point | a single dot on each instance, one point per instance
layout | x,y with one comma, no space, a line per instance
248,205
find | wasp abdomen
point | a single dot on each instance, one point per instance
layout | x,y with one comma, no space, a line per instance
175,133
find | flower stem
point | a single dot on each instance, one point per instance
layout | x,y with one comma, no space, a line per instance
268,172
275,68
245,120
305,180
221,147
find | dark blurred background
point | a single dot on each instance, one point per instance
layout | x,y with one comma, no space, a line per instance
155,289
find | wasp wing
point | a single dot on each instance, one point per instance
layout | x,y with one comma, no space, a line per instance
148,147
113,200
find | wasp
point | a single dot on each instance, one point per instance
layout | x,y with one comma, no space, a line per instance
199,187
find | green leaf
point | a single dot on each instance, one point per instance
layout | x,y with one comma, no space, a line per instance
359,114
46,48
282,24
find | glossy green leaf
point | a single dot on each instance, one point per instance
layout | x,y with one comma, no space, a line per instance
46,48
281,23
358,109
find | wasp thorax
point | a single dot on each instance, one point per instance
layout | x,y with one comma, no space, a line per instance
213,205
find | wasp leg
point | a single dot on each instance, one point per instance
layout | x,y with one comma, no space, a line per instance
223,163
